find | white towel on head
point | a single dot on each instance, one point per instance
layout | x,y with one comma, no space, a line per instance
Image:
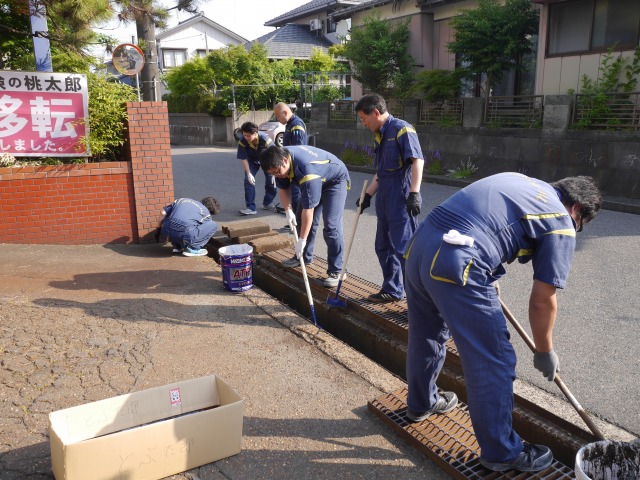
455,238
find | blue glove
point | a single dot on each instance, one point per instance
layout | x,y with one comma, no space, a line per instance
414,202
548,363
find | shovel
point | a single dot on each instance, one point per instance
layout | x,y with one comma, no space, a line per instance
559,382
336,302
304,275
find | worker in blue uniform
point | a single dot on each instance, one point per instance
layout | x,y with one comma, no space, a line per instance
295,133
323,180
453,262
396,184
188,225
249,148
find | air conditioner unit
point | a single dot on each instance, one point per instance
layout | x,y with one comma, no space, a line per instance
315,24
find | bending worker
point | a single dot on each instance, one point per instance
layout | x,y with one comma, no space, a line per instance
188,225
249,148
398,163
453,261
323,180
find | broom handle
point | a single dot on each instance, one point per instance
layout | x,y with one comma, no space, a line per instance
304,276
353,232
592,426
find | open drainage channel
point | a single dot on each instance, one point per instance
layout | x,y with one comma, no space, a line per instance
379,331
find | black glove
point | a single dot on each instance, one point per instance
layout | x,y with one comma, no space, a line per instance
366,202
157,234
548,363
414,201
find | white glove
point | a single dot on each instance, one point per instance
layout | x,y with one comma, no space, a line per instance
291,217
454,238
300,247
273,181
251,179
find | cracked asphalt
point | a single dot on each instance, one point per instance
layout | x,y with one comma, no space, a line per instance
83,323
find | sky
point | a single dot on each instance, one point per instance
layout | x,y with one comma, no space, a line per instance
244,17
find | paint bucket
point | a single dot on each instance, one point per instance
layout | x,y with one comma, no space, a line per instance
608,460
237,267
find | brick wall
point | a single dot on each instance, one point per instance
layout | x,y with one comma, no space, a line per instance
68,204
94,203
150,153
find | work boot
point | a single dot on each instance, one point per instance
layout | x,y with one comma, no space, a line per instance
533,458
293,262
382,297
333,279
446,402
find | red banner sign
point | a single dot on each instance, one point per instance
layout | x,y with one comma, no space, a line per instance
43,114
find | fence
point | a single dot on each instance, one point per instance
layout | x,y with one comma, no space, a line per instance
611,111
343,111
444,113
520,111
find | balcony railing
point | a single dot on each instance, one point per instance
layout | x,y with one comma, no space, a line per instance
447,113
520,111
611,111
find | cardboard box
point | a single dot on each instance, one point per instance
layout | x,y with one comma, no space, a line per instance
149,434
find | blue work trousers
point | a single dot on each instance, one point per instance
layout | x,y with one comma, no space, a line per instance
270,189
330,209
194,236
442,300
394,230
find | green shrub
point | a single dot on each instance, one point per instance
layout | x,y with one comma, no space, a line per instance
354,154
464,170
107,116
434,163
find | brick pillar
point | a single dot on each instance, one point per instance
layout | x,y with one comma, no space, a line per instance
150,152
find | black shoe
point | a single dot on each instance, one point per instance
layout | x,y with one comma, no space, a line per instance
533,458
382,297
446,402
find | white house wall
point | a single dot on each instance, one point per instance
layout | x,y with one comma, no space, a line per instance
192,39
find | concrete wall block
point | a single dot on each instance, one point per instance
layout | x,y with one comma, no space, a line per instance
473,112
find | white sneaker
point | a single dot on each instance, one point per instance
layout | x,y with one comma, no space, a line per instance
248,211
271,206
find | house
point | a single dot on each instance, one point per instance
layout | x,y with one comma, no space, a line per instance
574,36
292,41
193,37
316,15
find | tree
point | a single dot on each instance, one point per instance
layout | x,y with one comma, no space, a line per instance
492,38
69,32
149,14
379,54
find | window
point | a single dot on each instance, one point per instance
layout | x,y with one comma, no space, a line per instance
173,58
201,53
593,25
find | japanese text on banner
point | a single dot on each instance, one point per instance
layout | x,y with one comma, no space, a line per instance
43,114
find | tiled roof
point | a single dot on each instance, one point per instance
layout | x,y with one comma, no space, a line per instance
292,41
309,8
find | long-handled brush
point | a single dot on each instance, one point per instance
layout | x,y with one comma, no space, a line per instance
507,313
336,302
304,275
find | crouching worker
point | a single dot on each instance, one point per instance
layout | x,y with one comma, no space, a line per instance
188,225
452,264
323,180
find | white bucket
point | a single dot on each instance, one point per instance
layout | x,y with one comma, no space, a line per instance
608,460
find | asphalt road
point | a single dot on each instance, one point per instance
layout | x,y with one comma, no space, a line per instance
597,333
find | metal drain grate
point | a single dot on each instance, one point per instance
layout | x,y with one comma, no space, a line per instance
449,440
